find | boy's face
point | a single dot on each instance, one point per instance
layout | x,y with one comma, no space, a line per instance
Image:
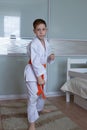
40,31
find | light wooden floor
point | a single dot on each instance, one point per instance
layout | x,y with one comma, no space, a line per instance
73,111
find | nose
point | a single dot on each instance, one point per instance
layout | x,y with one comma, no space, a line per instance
41,31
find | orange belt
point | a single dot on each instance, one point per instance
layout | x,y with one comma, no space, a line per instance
40,87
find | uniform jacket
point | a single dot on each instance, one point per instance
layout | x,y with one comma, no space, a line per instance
39,56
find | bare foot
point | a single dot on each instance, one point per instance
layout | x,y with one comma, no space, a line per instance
45,111
32,126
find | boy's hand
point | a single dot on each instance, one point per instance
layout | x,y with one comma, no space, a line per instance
52,57
40,80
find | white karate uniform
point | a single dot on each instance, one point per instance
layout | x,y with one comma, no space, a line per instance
39,56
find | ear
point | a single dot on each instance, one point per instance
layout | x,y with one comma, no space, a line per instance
34,30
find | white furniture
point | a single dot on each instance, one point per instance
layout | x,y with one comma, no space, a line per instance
76,81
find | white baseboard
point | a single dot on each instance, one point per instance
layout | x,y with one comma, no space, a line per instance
24,96
12,97
53,94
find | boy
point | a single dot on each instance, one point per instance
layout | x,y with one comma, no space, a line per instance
35,72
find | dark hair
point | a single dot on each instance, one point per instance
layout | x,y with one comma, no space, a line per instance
39,21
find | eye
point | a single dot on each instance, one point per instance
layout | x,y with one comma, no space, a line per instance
38,29
43,29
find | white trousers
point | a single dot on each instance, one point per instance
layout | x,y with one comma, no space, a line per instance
35,102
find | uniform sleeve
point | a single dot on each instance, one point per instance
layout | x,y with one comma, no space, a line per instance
38,68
